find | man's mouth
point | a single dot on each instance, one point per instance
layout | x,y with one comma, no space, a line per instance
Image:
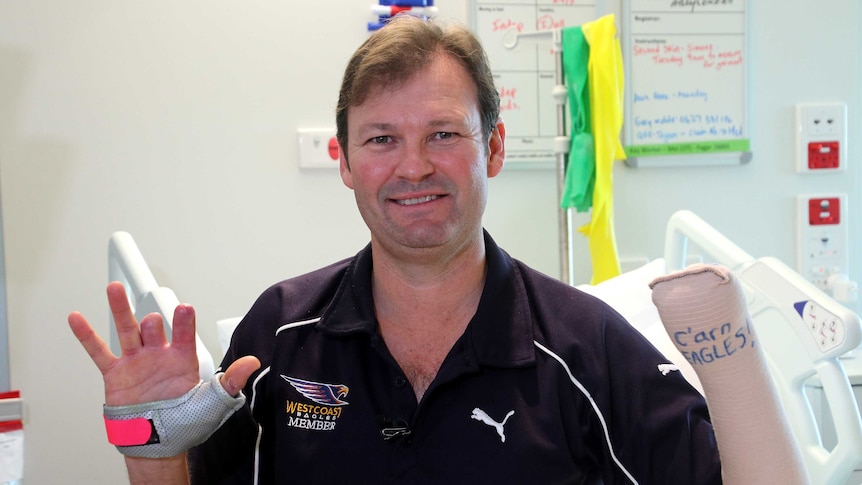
416,200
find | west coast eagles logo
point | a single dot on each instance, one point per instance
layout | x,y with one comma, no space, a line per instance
328,400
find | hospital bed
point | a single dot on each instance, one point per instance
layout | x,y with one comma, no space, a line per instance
804,332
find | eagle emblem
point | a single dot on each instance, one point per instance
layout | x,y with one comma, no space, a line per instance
326,394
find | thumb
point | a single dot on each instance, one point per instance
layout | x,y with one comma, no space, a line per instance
237,374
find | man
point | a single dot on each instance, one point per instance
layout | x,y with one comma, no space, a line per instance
431,356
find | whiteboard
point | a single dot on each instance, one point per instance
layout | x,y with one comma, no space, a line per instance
526,74
686,82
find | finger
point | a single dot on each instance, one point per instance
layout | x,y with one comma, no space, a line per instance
237,374
153,331
124,319
96,348
183,330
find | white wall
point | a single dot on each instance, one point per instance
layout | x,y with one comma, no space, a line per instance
176,121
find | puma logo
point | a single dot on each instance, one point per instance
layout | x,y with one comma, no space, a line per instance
665,369
482,416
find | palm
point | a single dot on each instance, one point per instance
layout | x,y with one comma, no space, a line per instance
150,368
151,372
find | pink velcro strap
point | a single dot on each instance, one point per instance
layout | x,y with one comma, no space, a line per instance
130,432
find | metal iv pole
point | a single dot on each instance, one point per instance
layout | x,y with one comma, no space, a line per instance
562,144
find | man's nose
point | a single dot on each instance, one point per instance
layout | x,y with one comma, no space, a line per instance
416,163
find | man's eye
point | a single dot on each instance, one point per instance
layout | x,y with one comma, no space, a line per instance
380,140
445,135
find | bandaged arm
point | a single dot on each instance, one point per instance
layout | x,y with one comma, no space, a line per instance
163,429
703,310
166,429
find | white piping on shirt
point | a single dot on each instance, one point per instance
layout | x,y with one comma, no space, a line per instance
595,408
254,397
259,428
296,324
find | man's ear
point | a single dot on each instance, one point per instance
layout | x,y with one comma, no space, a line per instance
497,149
344,167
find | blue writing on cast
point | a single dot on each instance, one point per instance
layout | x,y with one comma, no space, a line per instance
707,346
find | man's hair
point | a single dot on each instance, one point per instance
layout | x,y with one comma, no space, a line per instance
391,56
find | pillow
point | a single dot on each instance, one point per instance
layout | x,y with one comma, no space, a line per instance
631,296
225,331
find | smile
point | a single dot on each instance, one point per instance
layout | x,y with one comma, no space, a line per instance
417,200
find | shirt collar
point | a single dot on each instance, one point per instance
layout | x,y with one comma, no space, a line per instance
500,333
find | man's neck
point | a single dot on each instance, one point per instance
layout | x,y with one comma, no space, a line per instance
407,283
424,308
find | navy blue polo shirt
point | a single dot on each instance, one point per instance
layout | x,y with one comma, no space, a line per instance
547,385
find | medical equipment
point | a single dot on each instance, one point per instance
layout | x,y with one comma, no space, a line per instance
162,429
126,264
804,333
387,9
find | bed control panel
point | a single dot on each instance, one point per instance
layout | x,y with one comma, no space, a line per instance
825,328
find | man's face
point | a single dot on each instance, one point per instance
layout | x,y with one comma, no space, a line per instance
418,164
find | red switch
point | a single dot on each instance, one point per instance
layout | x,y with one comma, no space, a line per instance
823,154
333,148
824,211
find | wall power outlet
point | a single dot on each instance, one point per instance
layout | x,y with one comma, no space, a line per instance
823,237
821,137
